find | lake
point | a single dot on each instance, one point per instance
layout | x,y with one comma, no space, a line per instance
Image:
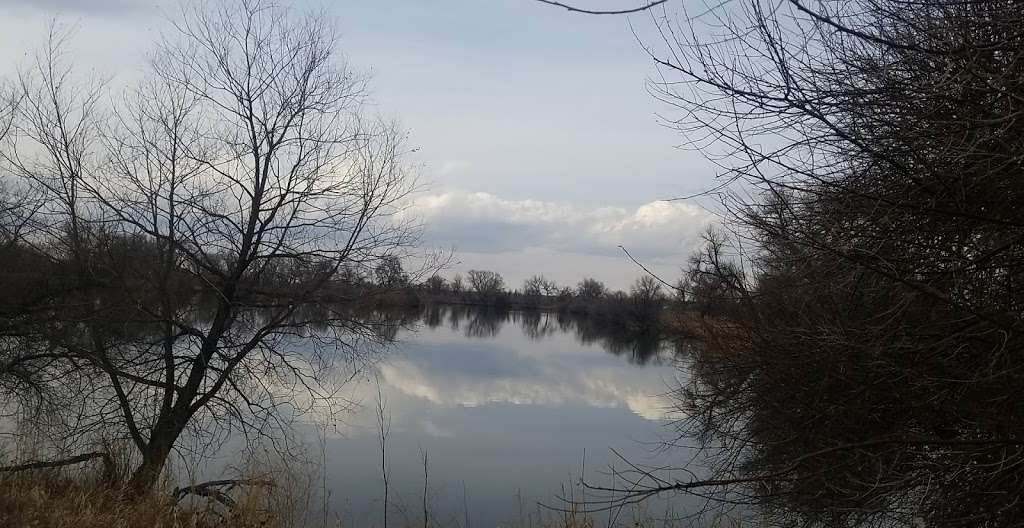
509,408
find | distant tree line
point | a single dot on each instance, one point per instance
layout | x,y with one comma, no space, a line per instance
640,309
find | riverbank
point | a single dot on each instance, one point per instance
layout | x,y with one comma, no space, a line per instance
56,498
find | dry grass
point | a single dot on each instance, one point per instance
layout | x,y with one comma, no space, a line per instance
78,499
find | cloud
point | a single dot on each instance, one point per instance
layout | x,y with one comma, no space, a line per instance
480,222
80,6
451,167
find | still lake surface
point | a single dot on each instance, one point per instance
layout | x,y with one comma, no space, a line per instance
510,408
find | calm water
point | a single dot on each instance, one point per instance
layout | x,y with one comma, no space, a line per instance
507,408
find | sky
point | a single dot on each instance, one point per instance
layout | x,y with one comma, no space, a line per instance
539,147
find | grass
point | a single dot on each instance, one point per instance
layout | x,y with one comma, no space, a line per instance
79,499
59,499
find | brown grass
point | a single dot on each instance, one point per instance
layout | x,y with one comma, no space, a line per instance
78,499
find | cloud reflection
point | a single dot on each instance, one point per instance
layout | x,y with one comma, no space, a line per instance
439,367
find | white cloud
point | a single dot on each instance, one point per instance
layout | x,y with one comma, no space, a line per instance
480,222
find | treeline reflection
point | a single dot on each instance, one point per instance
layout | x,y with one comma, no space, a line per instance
638,347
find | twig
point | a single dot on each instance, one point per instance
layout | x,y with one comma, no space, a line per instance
648,271
602,12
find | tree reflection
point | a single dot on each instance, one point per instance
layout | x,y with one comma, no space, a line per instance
433,317
538,325
485,322
637,346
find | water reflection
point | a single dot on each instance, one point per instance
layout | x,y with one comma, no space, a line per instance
505,403
486,322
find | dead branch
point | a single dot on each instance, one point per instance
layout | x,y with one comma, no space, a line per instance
48,464
218,490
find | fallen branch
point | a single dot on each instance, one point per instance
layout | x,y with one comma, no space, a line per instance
212,489
45,464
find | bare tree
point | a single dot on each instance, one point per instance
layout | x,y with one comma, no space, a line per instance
457,284
859,361
486,284
244,153
538,285
37,199
590,289
389,272
17,203
646,290
435,284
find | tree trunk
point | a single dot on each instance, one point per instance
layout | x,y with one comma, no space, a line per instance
145,476
154,457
